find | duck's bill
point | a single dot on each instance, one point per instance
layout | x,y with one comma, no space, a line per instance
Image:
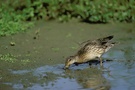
65,67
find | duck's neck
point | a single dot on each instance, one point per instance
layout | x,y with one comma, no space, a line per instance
76,58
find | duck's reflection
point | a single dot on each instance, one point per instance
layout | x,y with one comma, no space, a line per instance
89,78
129,55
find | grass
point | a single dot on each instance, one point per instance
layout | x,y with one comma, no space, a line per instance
11,22
86,10
10,58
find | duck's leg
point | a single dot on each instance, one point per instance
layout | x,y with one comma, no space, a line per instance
76,64
101,63
89,63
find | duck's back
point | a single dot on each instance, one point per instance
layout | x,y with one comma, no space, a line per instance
95,48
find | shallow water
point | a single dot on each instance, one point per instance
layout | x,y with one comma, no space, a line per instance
55,42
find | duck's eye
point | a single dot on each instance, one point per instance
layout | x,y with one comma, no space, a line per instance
69,59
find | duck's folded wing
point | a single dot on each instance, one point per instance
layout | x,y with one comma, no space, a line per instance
100,41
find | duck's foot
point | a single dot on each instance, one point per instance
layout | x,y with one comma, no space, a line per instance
90,65
76,64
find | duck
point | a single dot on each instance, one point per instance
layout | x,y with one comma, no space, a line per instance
90,50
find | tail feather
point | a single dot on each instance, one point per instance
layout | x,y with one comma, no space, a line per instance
109,37
103,41
106,39
109,45
100,41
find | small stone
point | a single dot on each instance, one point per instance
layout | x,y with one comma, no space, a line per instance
12,43
34,37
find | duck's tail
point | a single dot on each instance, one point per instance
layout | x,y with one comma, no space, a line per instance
106,39
110,45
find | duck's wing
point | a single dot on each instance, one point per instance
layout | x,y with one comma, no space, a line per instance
86,48
100,41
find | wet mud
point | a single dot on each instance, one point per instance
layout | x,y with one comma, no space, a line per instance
34,60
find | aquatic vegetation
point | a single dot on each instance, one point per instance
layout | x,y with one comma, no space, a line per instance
25,61
13,59
68,35
8,58
73,47
55,49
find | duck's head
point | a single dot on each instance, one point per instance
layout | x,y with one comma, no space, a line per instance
70,60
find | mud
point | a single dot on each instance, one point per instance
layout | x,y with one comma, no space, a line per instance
46,46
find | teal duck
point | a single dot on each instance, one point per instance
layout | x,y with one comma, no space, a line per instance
90,50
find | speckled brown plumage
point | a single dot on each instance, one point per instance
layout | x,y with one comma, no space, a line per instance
90,50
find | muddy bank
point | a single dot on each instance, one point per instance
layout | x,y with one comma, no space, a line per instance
51,42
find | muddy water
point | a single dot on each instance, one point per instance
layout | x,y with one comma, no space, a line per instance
48,44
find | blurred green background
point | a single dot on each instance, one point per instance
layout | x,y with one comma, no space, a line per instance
15,13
